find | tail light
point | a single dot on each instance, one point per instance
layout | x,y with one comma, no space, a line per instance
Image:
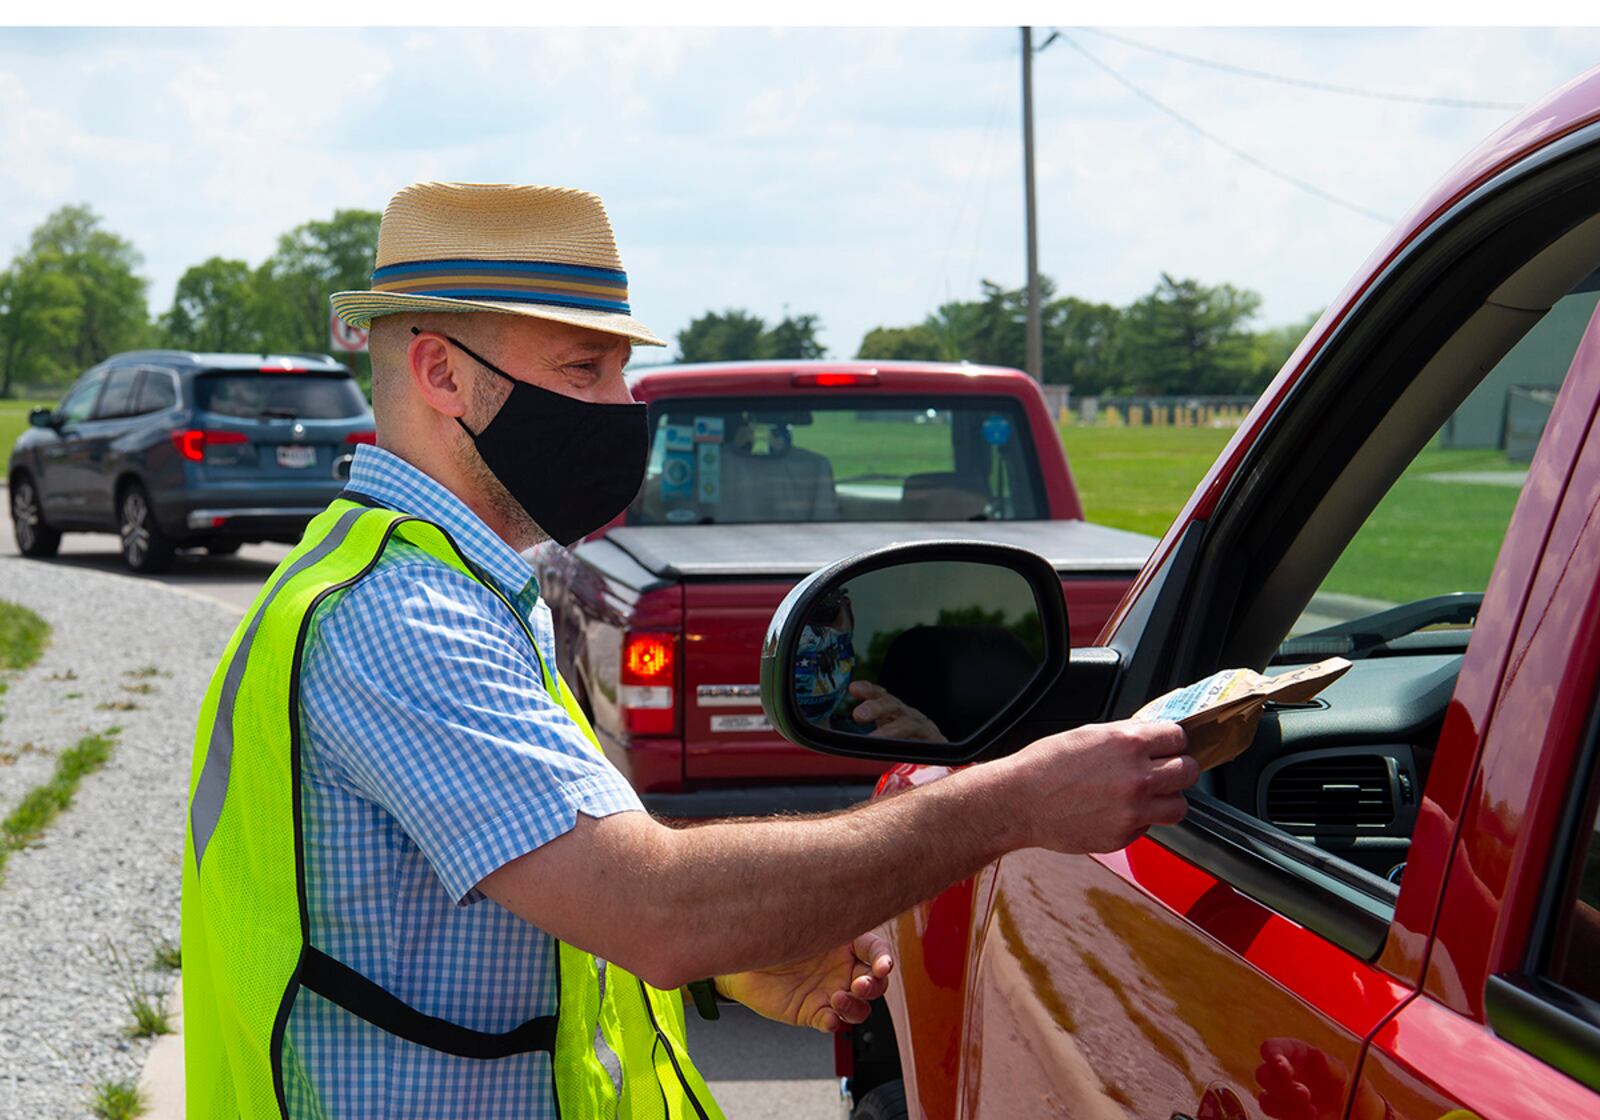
649,683
361,437
192,442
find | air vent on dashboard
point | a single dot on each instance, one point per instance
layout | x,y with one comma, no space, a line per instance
1353,791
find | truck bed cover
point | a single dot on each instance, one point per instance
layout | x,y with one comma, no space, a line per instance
798,549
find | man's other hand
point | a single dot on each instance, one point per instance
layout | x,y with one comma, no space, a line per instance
826,992
1099,788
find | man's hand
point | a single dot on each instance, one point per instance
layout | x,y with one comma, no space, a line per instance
1099,788
895,719
824,992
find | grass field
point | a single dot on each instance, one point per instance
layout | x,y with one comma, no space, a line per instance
1425,538
13,421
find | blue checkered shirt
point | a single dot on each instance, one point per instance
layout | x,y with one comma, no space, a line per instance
431,754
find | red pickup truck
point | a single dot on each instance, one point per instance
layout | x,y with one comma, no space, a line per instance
760,473
1388,908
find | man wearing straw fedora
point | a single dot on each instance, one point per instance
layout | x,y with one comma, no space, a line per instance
406,857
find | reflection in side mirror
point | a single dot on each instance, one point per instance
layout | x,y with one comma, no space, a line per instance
914,653
42,418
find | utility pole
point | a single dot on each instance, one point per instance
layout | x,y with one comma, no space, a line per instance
1035,329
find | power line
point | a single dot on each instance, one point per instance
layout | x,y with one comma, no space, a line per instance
1306,83
1292,180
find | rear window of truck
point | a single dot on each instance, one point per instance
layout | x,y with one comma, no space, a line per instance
763,459
298,396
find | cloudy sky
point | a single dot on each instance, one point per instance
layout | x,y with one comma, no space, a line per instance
861,175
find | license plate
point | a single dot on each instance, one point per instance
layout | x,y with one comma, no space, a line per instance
740,723
296,455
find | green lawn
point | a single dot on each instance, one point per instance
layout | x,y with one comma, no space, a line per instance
13,421
1425,538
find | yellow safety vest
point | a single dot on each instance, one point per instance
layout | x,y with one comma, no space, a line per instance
246,945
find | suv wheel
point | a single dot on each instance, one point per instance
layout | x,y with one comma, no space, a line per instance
886,1102
34,537
145,548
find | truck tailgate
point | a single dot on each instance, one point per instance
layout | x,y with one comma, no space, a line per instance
725,734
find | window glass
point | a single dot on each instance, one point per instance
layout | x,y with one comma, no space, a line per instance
76,404
117,400
289,396
764,459
1575,959
1438,530
157,392
1400,603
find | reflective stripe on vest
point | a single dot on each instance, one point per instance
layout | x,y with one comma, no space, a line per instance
246,949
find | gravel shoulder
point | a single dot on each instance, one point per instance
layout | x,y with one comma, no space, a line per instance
105,876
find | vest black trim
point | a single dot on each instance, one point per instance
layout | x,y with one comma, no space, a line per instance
339,983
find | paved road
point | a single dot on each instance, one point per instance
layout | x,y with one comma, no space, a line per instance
758,1070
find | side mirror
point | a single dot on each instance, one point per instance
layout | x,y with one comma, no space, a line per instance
925,653
42,418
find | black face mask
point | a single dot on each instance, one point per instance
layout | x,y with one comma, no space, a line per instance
572,465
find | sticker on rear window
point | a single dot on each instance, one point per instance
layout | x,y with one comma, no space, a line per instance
709,458
708,429
677,476
997,431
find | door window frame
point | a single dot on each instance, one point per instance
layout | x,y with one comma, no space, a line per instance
1409,313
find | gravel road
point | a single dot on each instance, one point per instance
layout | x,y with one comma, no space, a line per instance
104,879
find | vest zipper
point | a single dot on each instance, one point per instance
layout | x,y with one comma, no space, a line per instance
671,1055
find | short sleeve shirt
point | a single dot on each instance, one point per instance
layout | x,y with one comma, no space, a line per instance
431,754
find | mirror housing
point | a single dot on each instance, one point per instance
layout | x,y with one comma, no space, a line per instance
951,651
41,418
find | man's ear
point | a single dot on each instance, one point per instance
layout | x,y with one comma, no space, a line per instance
429,360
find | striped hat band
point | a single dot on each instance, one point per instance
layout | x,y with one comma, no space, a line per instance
563,285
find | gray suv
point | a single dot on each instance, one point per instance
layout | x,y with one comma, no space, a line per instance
171,450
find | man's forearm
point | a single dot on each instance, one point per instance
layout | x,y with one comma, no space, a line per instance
673,905
745,894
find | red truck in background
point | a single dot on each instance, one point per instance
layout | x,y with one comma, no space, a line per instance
1388,908
761,473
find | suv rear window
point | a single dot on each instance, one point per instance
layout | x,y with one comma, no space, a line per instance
302,396
762,459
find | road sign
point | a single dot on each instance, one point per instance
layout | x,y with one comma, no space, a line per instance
344,338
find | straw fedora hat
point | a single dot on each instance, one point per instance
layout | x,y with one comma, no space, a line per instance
547,252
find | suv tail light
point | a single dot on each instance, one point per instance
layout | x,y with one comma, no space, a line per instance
649,683
361,437
192,442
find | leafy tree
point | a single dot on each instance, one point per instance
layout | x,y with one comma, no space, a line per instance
736,335
100,264
39,317
795,337
213,308
721,337
921,343
1185,337
72,298
1275,345
1082,344
312,261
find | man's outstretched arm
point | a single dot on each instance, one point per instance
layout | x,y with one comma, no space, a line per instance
673,905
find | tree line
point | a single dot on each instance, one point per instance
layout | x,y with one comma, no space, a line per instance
1182,337
73,296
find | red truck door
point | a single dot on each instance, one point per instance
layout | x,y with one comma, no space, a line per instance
1222,971
1507,1025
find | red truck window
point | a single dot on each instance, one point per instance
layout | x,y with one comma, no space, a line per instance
764,459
